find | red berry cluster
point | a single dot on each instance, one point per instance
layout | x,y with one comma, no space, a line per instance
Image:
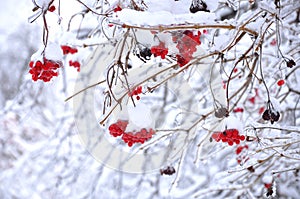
230,136
75,64
159,50
136,92
118,129
239,149
43,70
241,152
68,50
269,187
137,137
187,45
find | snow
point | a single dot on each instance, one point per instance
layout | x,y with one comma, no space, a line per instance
140,116
161,17
231,122
267,179
53,52
42,3
41,155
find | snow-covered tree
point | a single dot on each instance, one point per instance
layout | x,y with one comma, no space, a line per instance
159,99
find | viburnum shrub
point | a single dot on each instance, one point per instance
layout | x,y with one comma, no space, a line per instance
206,75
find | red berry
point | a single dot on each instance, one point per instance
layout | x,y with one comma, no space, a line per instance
268,185
280,82
51,8
239,150
38,64
73,50
181,60
273,42
68,50
139,89
159,50
252,100
31,63
117,9
238,110
261,110
242,138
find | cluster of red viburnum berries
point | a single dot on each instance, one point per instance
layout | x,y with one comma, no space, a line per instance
230,136
186,43
118,129
159,50
241,152
69,50
46,69
43,70
136,92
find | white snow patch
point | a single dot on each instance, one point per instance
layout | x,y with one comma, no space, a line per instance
140,115
133,17
42,3
232,122
53,52
267,179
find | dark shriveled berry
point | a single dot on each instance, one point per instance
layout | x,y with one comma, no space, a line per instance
167,171
290,63
275,116
146,53
267,114
269,192
221,112
251,169
198,5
